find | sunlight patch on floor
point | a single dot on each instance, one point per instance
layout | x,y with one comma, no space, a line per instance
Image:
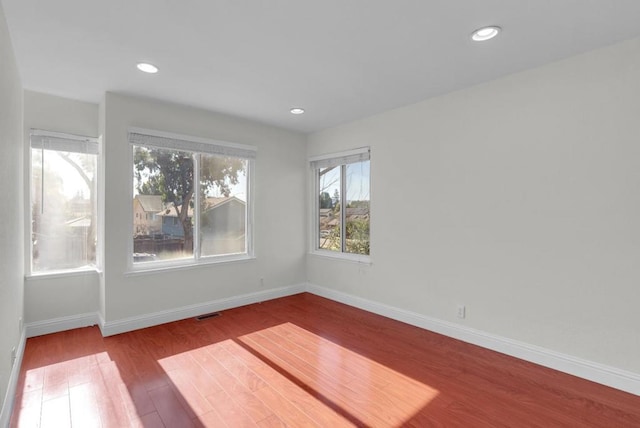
316,376
288,366
370,392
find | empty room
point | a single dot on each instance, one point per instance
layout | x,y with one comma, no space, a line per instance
356,213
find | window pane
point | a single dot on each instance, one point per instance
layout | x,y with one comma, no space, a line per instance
162,185
357,214
63,210
223,205
329,212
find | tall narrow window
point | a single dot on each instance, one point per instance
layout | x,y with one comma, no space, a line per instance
191,198
343,212
63,201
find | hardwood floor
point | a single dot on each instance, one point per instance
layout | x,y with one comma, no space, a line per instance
297,361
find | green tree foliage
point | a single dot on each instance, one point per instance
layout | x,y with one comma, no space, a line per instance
357,241
358,204
325,200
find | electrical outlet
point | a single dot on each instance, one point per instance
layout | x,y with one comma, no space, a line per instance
462,311
261,282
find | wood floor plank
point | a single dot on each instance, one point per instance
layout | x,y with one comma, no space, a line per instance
211,419
230,412
271,422
297,361
25,418
239,389
315,409
84,406
286,406
203,381
27,409
136,400
31,379
194,399
239,371
150,420
252,405
169,408
109,404
330,404
56,413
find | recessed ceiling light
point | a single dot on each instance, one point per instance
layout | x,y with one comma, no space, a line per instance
147,68
485,33
297,110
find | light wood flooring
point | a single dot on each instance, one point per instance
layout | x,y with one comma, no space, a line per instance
297,361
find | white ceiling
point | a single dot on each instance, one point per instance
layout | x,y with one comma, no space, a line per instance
339,59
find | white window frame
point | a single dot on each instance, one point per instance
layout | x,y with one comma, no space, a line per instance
63,138
195,145
335,159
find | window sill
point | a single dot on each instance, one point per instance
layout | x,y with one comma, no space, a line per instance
345,257
62,273
144,268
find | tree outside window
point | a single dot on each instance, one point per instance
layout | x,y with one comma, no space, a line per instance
198,201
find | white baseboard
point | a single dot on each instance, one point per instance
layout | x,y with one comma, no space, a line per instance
38,328
110,328
10,397
596,372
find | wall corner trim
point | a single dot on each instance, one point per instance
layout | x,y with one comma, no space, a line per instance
595,372
110,328
9,399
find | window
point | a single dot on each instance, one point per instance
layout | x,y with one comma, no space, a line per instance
198,194
63,201
342,213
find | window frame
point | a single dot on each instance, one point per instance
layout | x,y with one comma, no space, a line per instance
191,144
342,159
98,189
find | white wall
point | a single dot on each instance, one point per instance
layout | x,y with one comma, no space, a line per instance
280,198
53,113
12,224
52,297
518,198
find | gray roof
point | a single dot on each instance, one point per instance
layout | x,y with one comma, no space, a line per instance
150,203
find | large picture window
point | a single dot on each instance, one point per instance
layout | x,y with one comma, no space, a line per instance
342,214
191,198
63,201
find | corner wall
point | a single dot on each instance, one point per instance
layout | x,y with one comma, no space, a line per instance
12,224
517,198
280,198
